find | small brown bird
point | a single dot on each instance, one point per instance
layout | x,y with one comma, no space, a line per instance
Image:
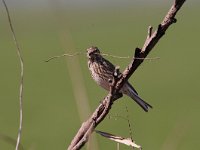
102,70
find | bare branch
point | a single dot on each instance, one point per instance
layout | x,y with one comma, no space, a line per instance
21,76
103,109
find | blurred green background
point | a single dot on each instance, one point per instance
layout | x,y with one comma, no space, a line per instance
60,94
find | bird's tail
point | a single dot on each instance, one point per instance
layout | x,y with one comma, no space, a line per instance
131,92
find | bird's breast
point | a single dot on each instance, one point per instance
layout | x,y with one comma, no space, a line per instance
99,75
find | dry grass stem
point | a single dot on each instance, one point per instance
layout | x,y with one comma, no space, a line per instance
104,54
70,55
21,76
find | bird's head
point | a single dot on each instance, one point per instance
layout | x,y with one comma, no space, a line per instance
93,52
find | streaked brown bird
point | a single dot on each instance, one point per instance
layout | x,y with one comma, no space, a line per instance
102,71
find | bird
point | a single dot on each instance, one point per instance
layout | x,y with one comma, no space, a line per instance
102,72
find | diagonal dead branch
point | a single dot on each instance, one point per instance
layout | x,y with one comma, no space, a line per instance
103,109
21,76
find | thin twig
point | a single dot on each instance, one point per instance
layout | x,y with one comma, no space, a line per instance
104,54
126,57
21,77
114,56
116,116
129,125
70,55
118,146
153,58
